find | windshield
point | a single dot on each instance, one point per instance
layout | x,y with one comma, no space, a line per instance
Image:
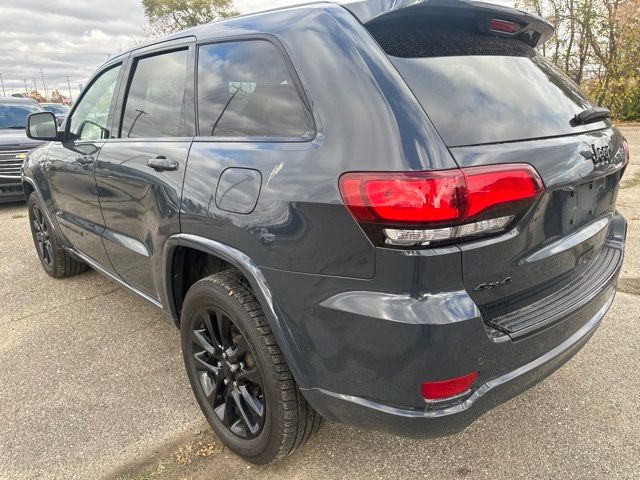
15,115
480,89
57,109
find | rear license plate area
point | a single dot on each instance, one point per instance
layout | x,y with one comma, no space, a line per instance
589,200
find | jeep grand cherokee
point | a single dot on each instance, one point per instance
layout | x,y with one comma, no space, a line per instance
390,213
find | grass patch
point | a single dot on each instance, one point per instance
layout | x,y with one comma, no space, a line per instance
182,457
18,215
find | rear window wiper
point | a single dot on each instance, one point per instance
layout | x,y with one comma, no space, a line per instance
590,115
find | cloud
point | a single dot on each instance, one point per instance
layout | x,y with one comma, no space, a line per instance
71,38
63,38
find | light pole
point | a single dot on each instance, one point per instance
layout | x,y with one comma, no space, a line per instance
44,85
2,83
69,85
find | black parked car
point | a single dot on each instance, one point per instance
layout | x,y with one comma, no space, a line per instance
390,213
14,144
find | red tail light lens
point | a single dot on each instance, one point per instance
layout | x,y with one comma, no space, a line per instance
439,197
457,203
452,387
488,187
404,197
504,26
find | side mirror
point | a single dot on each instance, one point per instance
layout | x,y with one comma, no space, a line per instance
42,126
92,131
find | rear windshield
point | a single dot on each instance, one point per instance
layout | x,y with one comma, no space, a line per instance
477,88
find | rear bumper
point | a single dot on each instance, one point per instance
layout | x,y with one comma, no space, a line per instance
434,422
364,350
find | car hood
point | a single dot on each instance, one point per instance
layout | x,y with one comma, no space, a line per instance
10,138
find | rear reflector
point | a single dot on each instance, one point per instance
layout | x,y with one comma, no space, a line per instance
448,388
440,205
504,26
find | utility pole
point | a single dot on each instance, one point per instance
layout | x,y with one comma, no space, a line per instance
2,83
26,90
35,85
46,94
69,85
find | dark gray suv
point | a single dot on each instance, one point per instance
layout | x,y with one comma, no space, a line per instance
389,213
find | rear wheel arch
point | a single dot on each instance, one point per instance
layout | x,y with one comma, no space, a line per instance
175,250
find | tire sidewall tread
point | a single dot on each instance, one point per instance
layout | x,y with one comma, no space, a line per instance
290,421
64,265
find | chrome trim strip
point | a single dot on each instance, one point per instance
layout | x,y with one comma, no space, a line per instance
444,401
570,241
13,152
126,242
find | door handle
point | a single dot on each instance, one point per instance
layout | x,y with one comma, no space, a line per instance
85,159
160,164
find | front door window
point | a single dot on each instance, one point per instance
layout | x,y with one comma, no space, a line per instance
89,119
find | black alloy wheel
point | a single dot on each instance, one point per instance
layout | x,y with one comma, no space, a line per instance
41,235
238,374
55,260
227,372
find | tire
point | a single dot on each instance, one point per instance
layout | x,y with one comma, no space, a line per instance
54,258
223,306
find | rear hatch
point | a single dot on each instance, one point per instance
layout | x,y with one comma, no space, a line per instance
494,100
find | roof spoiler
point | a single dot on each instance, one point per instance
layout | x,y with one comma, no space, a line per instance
532,30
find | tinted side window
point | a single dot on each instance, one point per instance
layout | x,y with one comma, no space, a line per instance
245,90
155,99
89,119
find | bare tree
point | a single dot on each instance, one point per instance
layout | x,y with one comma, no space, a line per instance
597,44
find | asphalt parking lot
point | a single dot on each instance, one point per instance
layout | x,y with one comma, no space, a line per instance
92,386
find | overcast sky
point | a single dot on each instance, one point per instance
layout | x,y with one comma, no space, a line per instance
73,37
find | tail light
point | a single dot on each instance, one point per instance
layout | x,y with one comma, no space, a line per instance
421,208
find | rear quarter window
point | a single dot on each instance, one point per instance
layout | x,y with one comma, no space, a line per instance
245,90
